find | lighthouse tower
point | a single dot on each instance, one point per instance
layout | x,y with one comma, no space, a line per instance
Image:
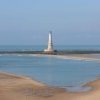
50,44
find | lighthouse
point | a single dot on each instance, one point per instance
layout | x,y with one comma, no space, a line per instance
50,44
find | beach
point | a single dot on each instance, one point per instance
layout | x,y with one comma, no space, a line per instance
84,57
13,87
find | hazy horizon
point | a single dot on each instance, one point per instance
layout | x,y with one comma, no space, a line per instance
27,22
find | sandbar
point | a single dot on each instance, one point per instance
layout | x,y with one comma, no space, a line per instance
84,57
13,87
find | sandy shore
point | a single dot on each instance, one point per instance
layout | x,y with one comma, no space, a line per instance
14,87
85,57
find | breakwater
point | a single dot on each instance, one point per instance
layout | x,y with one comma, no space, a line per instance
63,52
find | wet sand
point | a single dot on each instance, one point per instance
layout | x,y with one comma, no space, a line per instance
14,87
85,57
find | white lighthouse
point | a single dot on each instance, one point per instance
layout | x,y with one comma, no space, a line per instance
50,44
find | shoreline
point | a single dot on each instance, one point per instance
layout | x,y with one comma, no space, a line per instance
12,85
24,88
83,57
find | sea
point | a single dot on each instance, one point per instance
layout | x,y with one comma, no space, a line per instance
56,72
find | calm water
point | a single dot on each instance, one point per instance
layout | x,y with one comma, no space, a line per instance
60,47
71,74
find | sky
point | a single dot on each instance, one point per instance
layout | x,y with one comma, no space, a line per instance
27,22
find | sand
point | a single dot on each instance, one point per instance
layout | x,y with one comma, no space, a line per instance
14,87
84,57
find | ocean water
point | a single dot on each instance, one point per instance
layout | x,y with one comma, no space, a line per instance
69,74
42,47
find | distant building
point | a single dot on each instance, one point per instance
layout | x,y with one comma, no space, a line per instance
50,44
